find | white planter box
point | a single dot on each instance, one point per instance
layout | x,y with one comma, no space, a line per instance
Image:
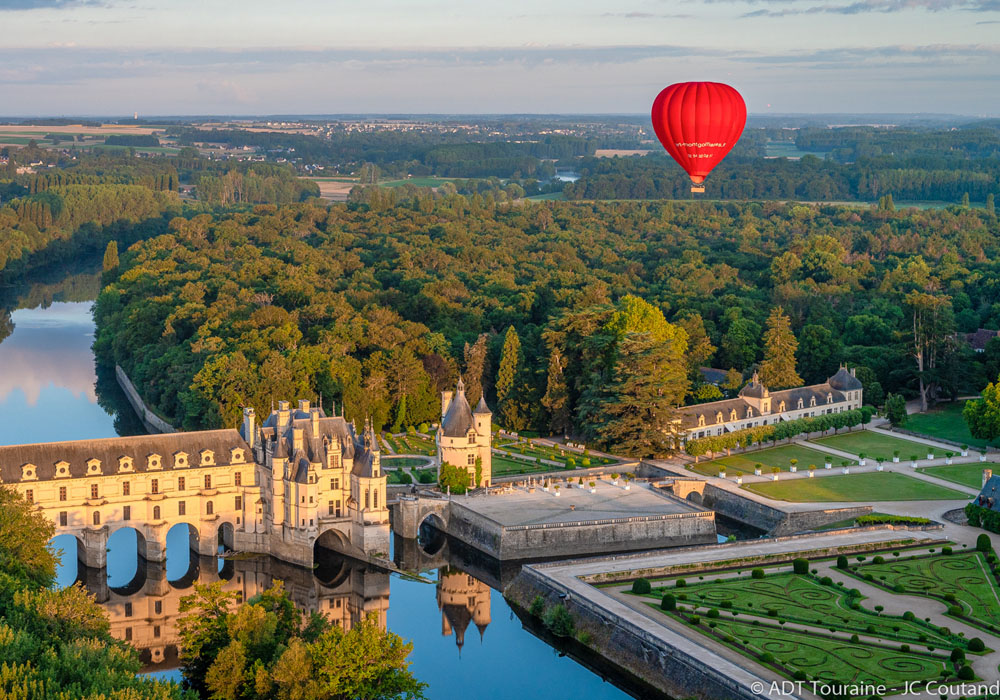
827,466
739,480
557,494
895,460
847,470
774,477
756,472
593,490
930,455
965,453
982,458
948,461
811,473
614,482
628,487
878,468
793,469
545,489
913,464
722,475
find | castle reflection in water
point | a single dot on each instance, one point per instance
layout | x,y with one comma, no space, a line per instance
145,611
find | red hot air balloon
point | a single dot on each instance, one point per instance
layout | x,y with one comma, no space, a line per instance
698,124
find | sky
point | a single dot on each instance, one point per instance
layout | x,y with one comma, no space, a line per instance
187,57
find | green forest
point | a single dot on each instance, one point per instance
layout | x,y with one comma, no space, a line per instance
379,308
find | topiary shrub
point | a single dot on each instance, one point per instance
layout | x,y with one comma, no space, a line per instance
800,566
842,562
800,675
966,673
668,602
767,657
681,583
946,551
983,543
641,586
976,645
855,639
726,604
826,581
909,616
694,620
713,613
958,654
955,610
878,560
757,573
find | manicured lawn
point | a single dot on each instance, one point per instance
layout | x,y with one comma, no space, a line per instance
945,421
966,474
772,457
965,576
505,465
391,462
875,445
863,488
747,614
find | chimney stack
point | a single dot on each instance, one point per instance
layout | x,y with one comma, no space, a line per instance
249,427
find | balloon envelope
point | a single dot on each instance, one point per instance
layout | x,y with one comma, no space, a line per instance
698,124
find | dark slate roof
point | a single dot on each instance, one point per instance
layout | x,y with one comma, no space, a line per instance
713,375
689,414
980,338
754,389
459,618
843,380
457,420
482,408
78,452
989,497
806,393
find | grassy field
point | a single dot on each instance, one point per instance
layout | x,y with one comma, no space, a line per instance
945,421
503,466
863,488
970,475
391,462
965,576
417,182
874,445
747,614
772,457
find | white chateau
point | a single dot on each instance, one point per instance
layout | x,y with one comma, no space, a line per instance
464,435
757,405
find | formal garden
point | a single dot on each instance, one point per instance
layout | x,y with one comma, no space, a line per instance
411,443
869,487
782,458
970,475
945,421
806,626
873,444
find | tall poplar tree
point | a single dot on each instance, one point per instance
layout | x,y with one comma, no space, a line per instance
777,371
556,399
111,257
507,377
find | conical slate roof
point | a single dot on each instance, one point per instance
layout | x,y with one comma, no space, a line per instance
482,408
457,420
844,381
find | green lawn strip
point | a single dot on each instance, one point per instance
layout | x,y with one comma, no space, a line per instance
771,457
864,488
391,462
823,657
945,421
806,601
874,445
504,466
970,475
966,576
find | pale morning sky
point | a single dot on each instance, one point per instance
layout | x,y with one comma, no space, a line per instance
539,56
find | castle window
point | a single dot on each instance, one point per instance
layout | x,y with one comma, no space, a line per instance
180,483
812,402
180,460
156,512
181,508
154,486
749,412
208,481
829,398
207,458
93,466
93,491
127,513
236,456
153,461
375,497
126,488
62,493
62,519
124,464
471,460
30,495
209,508
238,479
334,484
367,499
239,503
97,518
128,609
62,469
158,607
128,631
28,472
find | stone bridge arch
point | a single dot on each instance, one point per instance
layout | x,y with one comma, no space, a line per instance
409,514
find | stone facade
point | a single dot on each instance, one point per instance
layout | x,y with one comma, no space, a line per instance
757,405
465,436
273,488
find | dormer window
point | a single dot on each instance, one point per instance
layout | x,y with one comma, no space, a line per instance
93,467
236,456
718,417
749,412
180,460
732,414
812,401
701,421
207,458
781,407
62,470
29,472
829,398
153,461
800,403
125,464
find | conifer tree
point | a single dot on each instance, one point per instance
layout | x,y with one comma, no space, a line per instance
111,257
475,367
777,371
507,376
556,399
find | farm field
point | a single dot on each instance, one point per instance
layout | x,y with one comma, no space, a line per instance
970,475
864,488
945,421
771,457
873,444
804,627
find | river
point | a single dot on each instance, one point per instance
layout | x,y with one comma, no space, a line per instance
467,642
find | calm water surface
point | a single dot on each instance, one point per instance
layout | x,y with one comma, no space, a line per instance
467,641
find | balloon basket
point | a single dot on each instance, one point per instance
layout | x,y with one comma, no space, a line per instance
698,189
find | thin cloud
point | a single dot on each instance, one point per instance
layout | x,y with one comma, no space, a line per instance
23,5
645,15
880,6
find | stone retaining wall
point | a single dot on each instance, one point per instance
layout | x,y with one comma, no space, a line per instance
152,421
